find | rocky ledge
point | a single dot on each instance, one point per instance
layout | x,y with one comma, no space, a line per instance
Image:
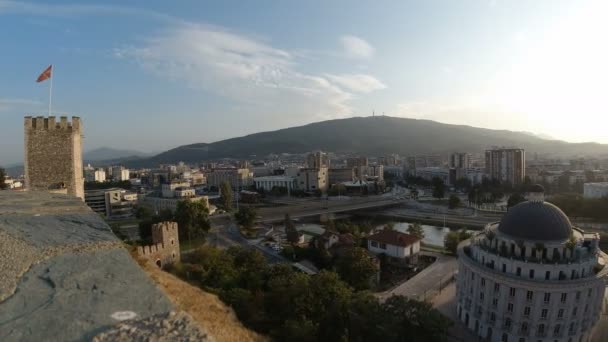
66,277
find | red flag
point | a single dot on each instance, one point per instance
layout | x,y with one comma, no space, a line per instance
46,74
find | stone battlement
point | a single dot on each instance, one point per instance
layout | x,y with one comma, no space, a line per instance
150,249
165,247
49,123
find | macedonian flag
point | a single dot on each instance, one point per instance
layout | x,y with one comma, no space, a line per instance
46,74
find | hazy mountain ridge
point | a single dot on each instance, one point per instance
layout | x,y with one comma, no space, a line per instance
372,136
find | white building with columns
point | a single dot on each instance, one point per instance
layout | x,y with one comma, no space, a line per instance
531,277
269,182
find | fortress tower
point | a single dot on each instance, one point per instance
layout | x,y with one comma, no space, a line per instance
53,155
165,247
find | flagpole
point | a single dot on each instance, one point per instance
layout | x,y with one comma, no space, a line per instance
51,91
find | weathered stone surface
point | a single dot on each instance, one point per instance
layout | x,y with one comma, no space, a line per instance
175,326
64,275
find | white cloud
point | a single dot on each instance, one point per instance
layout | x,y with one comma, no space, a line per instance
245,69
355,47
360,83
19,104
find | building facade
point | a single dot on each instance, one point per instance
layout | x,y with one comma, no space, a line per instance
340,175
112,203
238,178
506,165
460,160
269,182
317,160
53,155
312,179
531,277
394,244
595,190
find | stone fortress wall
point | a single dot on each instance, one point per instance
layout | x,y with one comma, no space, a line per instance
165,247
53,155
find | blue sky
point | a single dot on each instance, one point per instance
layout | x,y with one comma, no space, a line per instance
151,75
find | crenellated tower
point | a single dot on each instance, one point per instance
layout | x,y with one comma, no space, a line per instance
53,155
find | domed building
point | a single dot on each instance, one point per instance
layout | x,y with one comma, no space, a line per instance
531,277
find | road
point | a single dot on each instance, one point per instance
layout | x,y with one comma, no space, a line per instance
423,285
318,207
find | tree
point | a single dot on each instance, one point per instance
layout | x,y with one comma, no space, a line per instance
192,218
453,238
2,178
515,199
453,202
246,216
226,195
438,188
416,320
357,268
293,235
416,230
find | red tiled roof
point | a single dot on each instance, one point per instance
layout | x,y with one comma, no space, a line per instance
393,237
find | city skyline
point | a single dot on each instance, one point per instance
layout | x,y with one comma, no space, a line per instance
155,77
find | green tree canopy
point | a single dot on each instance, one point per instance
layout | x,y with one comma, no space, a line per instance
357,268
246,216
192,218
293,235
453,202
416,230
2,178
438,188
514,199
453,238
226,195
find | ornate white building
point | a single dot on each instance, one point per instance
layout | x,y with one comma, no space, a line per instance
531,277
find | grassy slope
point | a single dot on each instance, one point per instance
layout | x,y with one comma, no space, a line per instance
207,309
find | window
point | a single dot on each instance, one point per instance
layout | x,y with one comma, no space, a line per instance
564,297
524,327
496,288
531,274
547,297
504,268
493,317
556,329
586,307
505,338
472,276
543,313
589,293
374,244
571,327
578,295
512,292
483,282
574,311
547,275
541,329
529,295
510,307
560,313
519,271
480,295
495,302
508,323
382,246
527,311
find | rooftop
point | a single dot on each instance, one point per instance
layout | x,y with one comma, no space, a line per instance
393,237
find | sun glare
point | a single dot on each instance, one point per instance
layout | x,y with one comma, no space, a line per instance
560,83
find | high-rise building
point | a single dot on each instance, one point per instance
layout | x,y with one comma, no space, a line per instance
460,160
356,162
317,160
532,276
53,155
506,165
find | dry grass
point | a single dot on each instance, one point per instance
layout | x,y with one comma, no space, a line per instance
206,308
